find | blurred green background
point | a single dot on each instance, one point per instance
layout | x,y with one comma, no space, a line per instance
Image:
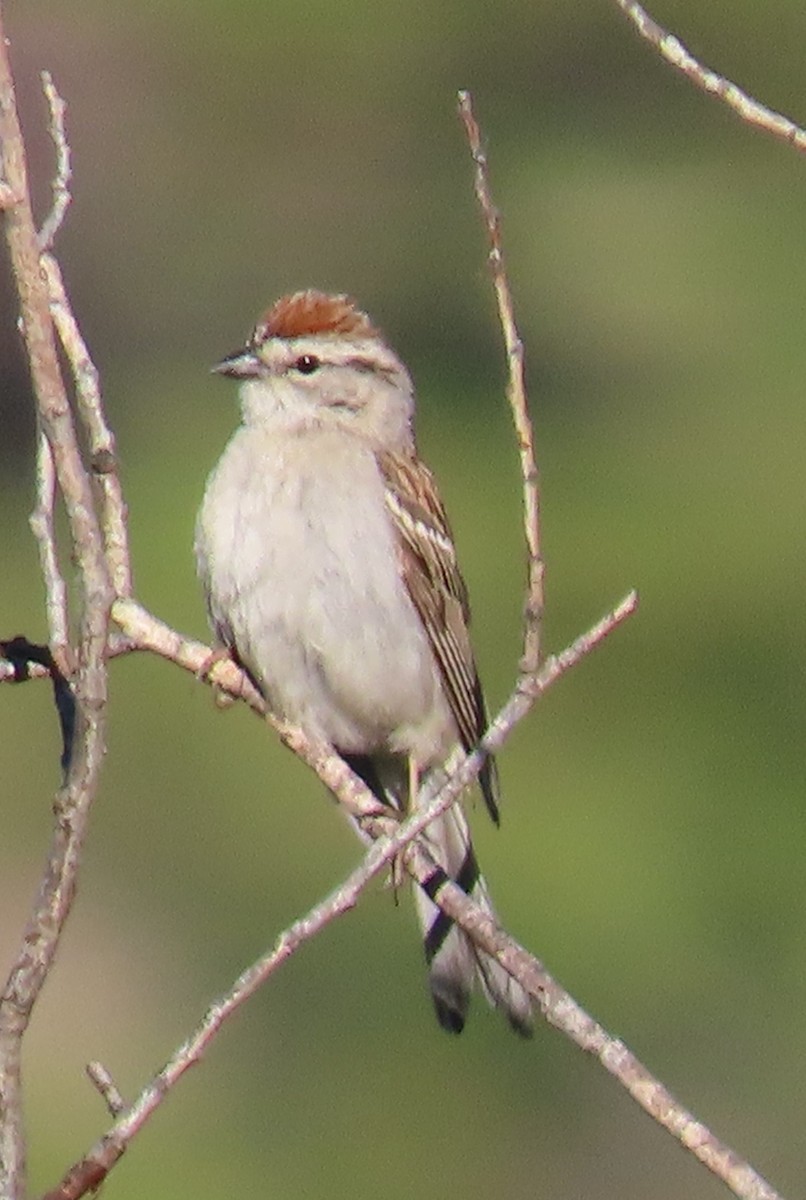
652,844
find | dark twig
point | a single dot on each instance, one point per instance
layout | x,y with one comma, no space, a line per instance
22,655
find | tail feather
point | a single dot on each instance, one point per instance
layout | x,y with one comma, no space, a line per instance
455,964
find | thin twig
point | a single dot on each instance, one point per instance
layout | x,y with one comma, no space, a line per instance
516,394
27,661
43,528
745,106
103,1082
100,439
61,180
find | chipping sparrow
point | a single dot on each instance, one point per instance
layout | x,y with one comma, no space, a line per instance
330,573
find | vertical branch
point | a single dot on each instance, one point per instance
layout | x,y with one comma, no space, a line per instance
61,180
516,395
100,439
42,523
51,908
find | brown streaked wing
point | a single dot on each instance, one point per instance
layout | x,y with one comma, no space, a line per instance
434,582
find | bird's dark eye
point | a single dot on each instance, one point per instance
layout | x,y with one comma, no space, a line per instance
306,364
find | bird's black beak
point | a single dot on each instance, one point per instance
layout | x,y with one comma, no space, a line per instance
241,364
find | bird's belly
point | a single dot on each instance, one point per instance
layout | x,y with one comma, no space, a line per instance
308,584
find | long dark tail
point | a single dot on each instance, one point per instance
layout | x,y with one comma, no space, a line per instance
455,963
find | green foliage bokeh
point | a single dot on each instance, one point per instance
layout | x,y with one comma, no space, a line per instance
652,841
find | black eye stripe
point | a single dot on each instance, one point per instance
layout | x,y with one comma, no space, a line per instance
306,364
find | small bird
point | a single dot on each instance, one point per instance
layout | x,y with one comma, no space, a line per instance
331,576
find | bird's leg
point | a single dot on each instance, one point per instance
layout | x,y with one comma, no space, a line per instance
220,654
396,873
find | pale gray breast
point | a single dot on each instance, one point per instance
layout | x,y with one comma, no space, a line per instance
302,573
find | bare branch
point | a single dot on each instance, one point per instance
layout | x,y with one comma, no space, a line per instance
746,108
101,441
85,375
558,1007
21,668
61,180
392,839
102,1080
43,529
52,906
147,632
563,1012
516,393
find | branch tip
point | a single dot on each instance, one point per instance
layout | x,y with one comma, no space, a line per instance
60,186
748,109
102,1081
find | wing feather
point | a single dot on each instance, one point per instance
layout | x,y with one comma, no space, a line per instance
431,573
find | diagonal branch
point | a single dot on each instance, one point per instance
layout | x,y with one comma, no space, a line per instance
392,838
749,110
562,1011
558,1007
